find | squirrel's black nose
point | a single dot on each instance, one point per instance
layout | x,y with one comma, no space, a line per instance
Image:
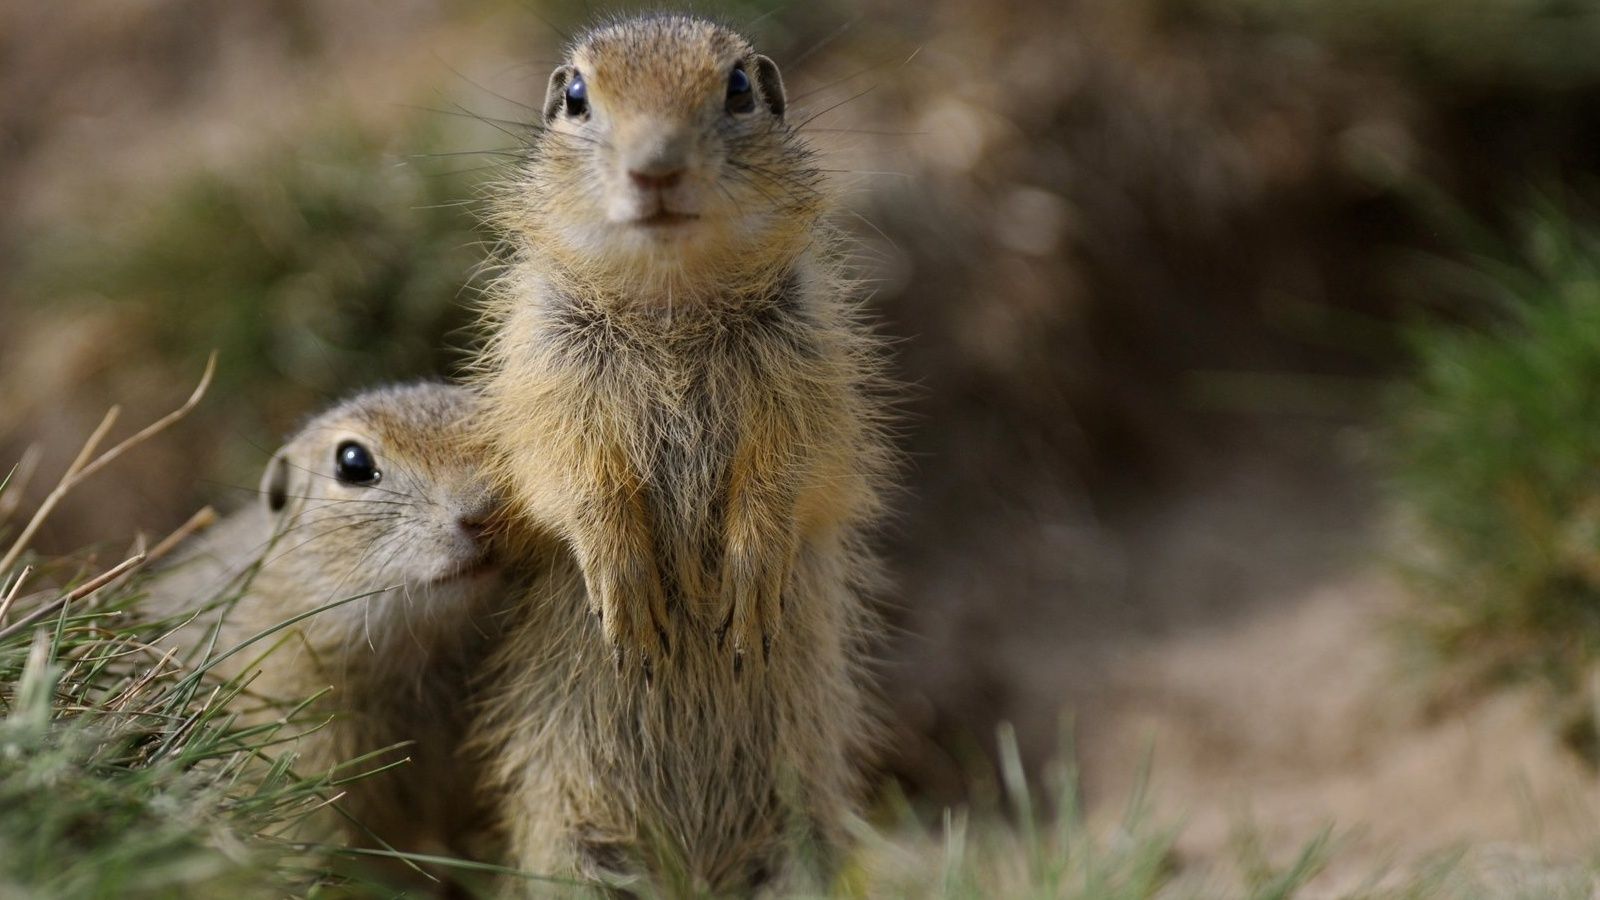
475,527
655,181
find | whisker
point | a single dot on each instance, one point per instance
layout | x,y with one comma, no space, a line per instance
315,537
867,131
519,152
480,87
256,490
464,113
850,99
824,42
306,518
366,607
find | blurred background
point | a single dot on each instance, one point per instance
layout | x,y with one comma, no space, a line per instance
1253,349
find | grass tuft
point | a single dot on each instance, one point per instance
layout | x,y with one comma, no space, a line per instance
122,770
1496,452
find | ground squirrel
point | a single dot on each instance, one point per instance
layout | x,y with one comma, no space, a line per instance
677,387
378,499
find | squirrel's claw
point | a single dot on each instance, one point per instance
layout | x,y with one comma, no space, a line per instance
752,618
632,630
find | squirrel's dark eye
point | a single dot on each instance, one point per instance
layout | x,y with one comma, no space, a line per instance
577,96
741,94
353,464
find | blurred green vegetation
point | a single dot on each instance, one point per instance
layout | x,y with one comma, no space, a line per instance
1507,44
335,244
338,257
1496,444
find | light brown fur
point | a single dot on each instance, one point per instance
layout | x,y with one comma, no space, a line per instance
687,423
396,662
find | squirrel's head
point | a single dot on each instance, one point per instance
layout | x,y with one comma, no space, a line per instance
384,490
664,149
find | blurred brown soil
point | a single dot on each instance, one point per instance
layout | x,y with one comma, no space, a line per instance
1296,720
1246,658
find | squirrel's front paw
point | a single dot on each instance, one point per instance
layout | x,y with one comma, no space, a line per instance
632,614
752,595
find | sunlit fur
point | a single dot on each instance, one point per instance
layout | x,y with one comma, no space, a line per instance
399,658
749,179
688,425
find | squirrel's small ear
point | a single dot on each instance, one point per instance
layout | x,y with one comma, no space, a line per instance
555,94
771,84
275,483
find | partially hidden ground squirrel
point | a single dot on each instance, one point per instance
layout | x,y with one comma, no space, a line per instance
379,499
677,387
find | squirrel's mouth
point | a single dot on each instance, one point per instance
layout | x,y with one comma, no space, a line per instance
472,569
665,218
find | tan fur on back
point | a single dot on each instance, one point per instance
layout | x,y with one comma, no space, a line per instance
690,433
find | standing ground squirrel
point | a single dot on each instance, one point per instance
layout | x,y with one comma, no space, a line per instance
379,499
678,388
